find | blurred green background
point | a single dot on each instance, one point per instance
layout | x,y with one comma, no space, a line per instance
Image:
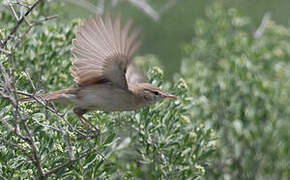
165,37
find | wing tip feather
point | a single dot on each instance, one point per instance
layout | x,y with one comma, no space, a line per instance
91,39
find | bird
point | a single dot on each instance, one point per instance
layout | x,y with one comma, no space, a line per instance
106,77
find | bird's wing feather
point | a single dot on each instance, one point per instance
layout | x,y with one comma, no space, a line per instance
102,50
134,75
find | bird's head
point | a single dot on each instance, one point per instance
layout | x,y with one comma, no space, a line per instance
153,94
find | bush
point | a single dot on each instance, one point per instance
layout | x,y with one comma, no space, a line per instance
241,88
162,141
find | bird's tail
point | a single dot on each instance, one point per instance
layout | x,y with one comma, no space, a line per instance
52,96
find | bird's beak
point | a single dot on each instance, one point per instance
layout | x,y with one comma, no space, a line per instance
169,96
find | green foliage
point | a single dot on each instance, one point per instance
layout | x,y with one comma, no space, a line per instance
241,88
162,141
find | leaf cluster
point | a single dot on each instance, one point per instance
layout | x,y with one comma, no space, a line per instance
241,88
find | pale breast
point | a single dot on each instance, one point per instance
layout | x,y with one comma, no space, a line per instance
106,97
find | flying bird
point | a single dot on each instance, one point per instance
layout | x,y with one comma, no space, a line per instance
106,77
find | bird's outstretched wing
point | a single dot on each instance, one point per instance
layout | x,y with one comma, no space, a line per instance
102,51
135,75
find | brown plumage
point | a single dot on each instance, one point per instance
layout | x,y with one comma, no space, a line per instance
52,96
107,80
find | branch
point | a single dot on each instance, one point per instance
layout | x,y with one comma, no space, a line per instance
15,130
167,6
36,23
19,22
66,138
153,12
21,4
28,138
69,147
13,11
10,92
2,177
43,20
146,8
43,103
4,122
5,51
36,161
260,31
69,162
9,88
47,126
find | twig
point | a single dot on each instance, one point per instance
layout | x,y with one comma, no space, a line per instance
3,120
68,145
30,80
21,4
47,126
17,91
2,177
141,4
28,138
13,11
150,11
7,85
146,8
43,20
69,162
27,22
167,6
5,51
14,30
18,133
260,31
36,158
10,92
31,26
5,96
16,130
9,88
46,106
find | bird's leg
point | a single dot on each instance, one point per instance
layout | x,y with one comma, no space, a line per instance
79,113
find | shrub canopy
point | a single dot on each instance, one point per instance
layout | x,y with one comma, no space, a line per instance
241,88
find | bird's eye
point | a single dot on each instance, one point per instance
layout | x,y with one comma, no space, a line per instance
156,93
